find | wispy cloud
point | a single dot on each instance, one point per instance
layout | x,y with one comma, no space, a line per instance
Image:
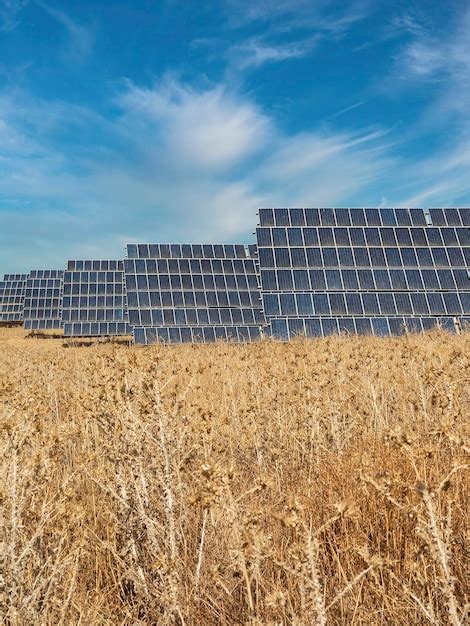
320,15
442,177
347,109
265,10
439,60
424,60
80,37
10,13
257,51
443,56
288,30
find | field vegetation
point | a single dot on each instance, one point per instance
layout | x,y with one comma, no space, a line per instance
315,482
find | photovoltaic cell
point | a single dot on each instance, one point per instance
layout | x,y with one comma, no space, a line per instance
43,300
94,300
379,265
193,293
12,289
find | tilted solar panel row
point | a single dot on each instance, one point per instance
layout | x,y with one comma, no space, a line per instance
367,303
143,298
196,334
43,300
12,289
364,257
46,274
96,329
364,279
80,280
14,277
189,251
96,265
101,308
196,317
364,217
286,329
341,236
163,267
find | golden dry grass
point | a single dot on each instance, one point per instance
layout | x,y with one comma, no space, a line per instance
316,482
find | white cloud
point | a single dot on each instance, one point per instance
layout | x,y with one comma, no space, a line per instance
199,130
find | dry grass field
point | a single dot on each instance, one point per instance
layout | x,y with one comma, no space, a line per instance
316,482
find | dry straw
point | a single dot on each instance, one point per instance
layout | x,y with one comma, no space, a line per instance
316,482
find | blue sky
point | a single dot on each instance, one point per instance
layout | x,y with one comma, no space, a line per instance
152,120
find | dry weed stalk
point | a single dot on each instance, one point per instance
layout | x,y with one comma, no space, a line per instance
316,482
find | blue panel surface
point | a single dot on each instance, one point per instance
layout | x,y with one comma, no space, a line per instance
12,289
43,300
94,299
193,292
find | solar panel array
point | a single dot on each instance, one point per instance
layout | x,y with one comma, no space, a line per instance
12,289
363,270
313,271
94,301
192,293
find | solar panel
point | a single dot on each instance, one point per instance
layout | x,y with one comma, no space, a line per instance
94,301
380,270
12,289
192,293
43,300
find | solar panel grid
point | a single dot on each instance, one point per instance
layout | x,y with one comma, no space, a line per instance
94,299
323,262
43,300
12,289
176,297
